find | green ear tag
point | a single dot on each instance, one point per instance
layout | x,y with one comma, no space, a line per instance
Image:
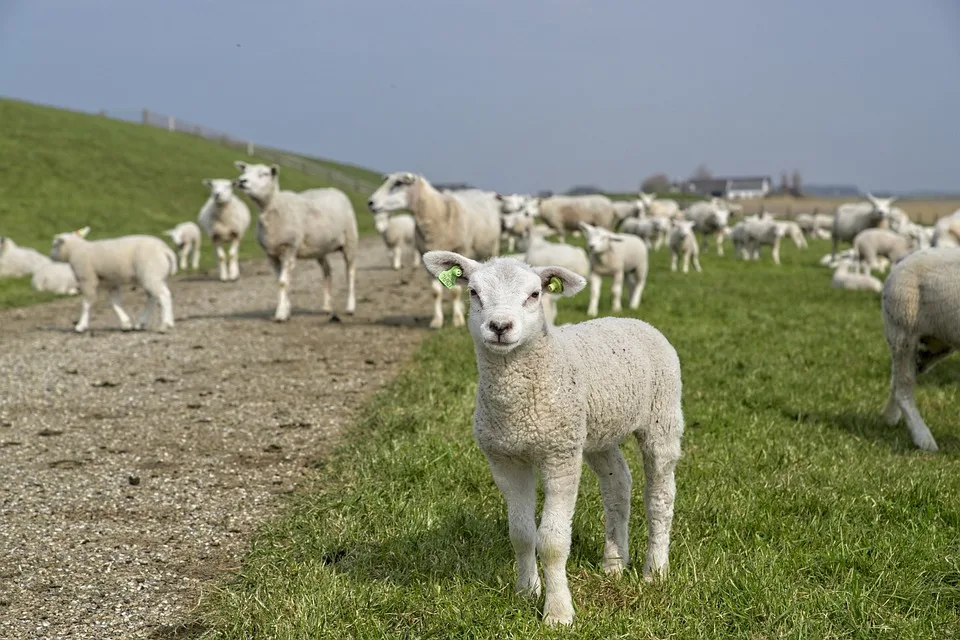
449,277
555,286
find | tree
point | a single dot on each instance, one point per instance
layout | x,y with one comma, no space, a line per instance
701,173
584,190
784,183
796,186
657,183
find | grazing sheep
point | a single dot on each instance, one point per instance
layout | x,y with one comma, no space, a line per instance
55,277
549,399
763,231
311,224
565,213
921,321
186,238
224,217
844,278
853,217
872,243
683,241
946,231
710,218
658,207
399,234
142,260
618,255
792,230
445,221
17,261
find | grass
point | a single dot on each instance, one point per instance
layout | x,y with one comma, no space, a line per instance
63,170
798,515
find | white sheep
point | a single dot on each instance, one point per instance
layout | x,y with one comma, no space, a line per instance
517,215
853,217
551,398
653,230
55,277
946,231
738,235
710,218
759,231
186,238
399,234
456,221
17,261
921,308
656,207
224,217
146,261
565,213
623,209
683,241
845,278
311,225
620,256
873,243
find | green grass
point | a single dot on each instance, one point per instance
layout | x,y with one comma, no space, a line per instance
798,514
62,170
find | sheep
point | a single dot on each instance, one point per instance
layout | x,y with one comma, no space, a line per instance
792,230
871,243
759,231
55,277
565,213
844,278
17,261
921,304
683,240
224,217
444,221
311,224
653,230
541,253
815,225
550,398
186,238
623,209
853,217
946,231
710,218
135,259
658,207
398,232
618,255
738,235
517,214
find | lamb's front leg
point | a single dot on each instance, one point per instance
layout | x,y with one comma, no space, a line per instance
115,302
233,268
593,308
776,251
518,484
560,484
720,243
616,291
327,284
615,484
222,263
437,321
283,266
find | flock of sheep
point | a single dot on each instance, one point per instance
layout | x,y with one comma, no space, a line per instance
549,397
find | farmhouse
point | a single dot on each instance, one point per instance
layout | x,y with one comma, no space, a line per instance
733,188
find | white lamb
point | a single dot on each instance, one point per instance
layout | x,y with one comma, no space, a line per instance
17,261
653,230
760,231
549,399
656,207
921,321
224,217
845,278
146,261
398,232
618,255
871,244
55,277
946,231
710,219
517,215
186,238
684,241
311,224
565,213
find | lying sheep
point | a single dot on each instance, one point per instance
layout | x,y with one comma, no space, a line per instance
565,213
921,305
146,261
55,277
17,261
683,241
873,243
853,217
224,217
618,255
445,221
186,238
399,234
549,399
844,278
311,224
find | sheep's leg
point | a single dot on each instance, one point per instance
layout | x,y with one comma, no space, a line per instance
775,254
511,243
593,307
686,262
673,260
615,484
147,312
89,296
720,243
125,323
696,262
396,258
182,255
560,485
549,308
903,377
616,291
518,484
437,321
233,268
639,282
222,262
659,461
166,307
327,284
349,261
195,256
416,256
458,311
283,267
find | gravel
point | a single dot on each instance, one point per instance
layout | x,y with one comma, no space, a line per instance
135,466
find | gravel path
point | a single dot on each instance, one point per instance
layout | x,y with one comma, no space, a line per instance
135,466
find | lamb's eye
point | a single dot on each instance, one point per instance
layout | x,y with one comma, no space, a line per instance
534,296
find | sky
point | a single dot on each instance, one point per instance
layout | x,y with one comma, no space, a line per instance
524,95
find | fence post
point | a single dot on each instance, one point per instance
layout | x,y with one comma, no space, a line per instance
171,123
146,116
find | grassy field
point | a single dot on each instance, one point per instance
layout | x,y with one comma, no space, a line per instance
63,170
798,515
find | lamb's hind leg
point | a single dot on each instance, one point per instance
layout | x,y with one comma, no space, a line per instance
720,243
222,263
283,266
615,484
437,321
661,450
518,484
233,268
349,261
327,284
115,300
560,485
458,318
147,312
903,377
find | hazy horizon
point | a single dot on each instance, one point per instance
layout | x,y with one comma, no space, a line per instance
529,95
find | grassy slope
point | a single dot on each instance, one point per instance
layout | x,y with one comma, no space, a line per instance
63,170
798,513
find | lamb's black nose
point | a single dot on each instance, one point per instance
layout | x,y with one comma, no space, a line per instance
500,328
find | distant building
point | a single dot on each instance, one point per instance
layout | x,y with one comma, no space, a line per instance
730,188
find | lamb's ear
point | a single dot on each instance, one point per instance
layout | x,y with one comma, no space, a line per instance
499,197
449,268
560,281
584,227
242,166
83,231
274,170
207,183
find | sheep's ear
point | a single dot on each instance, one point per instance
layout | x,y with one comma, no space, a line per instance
242,166
449,268
274,170
498,197
82,231
560,281
584,227
207,183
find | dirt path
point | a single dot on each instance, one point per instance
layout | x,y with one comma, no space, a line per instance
135,466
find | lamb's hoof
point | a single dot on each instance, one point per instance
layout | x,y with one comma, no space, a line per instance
436,323
527,589
650,575
458,321
164,328
138,326
79,329
927,443
126,327
280,318
558,616
614,567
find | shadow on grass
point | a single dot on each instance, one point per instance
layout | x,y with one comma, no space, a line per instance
872,428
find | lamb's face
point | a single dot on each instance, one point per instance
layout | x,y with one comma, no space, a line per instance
60,249
220,189
505,309
684,227
393,193
722,215
256,180
645,200
513,203
381,220
598,239
176,237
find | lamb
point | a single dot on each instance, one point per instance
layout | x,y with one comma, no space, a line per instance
565,213
658,207
617,255
853,217
710,218
186,238
738,235
921,305
654,231
844,278
517,215
311,224
224,217
146,261
946,231
17,261
871,243
792,230
683,241
550,398
398,232
759,231
444,221
623,209
55,277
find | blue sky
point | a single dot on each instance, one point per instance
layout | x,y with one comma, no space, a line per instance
522,95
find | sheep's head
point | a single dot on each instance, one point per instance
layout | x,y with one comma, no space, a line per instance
505,309
598,239
175,236
646,199
684,227
393,194
257,180
882,207
512,203
60,250
220,189
381,220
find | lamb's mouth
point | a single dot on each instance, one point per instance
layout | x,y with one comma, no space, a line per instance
499,345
